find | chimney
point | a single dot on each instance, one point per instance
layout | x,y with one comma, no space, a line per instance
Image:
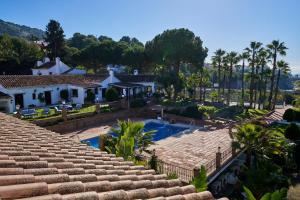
135,72
39,63
46,59
57,61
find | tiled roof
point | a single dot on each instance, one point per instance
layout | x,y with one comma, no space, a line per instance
135,78
126,85
13,81
39,164
3,95
46,65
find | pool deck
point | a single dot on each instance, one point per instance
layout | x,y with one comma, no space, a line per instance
95,131
193,149
198,147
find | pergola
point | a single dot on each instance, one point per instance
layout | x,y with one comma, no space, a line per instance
128,87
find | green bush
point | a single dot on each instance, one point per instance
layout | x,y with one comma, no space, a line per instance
289,98
292,132
296,103
171,176
64,94
90,97
111,94
207,110
137,103
292,114
193,112
229,112
200,181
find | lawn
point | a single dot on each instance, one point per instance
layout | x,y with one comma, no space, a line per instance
239,113
53,114
251,113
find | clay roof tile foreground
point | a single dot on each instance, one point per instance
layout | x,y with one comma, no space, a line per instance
39,164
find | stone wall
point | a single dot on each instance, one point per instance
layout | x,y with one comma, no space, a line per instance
94,120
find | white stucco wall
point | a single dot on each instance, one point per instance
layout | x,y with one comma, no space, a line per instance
149,84
110,79
57,69
81,95
55,94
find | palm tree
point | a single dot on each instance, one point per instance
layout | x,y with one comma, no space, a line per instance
267,76
225,69
128,136
205,82
262,61
218,59
249,135
276,48
285,69
233,59
252,50
244,56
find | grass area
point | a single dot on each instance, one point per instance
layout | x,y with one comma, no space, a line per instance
251,113
239,113
52,114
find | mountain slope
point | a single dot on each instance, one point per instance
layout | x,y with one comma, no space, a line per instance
19,30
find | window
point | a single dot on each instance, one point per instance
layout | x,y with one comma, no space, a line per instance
96,90
74,93
33,96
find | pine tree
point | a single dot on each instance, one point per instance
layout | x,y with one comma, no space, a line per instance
55,39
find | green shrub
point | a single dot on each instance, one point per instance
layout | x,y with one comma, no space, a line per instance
193,112
90,97
64,94
292,114
296,103
137,103
175,111
229,112
207,110
111,94
200,181
289,98
292,132
172,175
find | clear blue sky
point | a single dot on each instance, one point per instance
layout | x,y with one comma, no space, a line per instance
227,24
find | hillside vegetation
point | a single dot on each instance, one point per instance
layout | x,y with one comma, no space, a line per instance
20,30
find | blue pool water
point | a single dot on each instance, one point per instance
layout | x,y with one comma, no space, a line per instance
162,131
94,142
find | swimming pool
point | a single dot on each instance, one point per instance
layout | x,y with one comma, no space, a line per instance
94,142
163,130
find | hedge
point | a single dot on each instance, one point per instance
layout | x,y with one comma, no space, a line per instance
292,114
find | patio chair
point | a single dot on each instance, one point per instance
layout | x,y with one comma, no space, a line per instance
57,110
46,111
28,113
78,107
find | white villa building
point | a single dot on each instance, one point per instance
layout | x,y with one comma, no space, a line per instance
28,90
57,67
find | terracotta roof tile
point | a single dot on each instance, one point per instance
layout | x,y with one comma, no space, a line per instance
14,81
136,78
38,164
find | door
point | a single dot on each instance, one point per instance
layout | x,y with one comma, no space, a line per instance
103,92
19,100
48,97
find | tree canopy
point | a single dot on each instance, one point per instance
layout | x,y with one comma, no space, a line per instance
175,47
54,36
